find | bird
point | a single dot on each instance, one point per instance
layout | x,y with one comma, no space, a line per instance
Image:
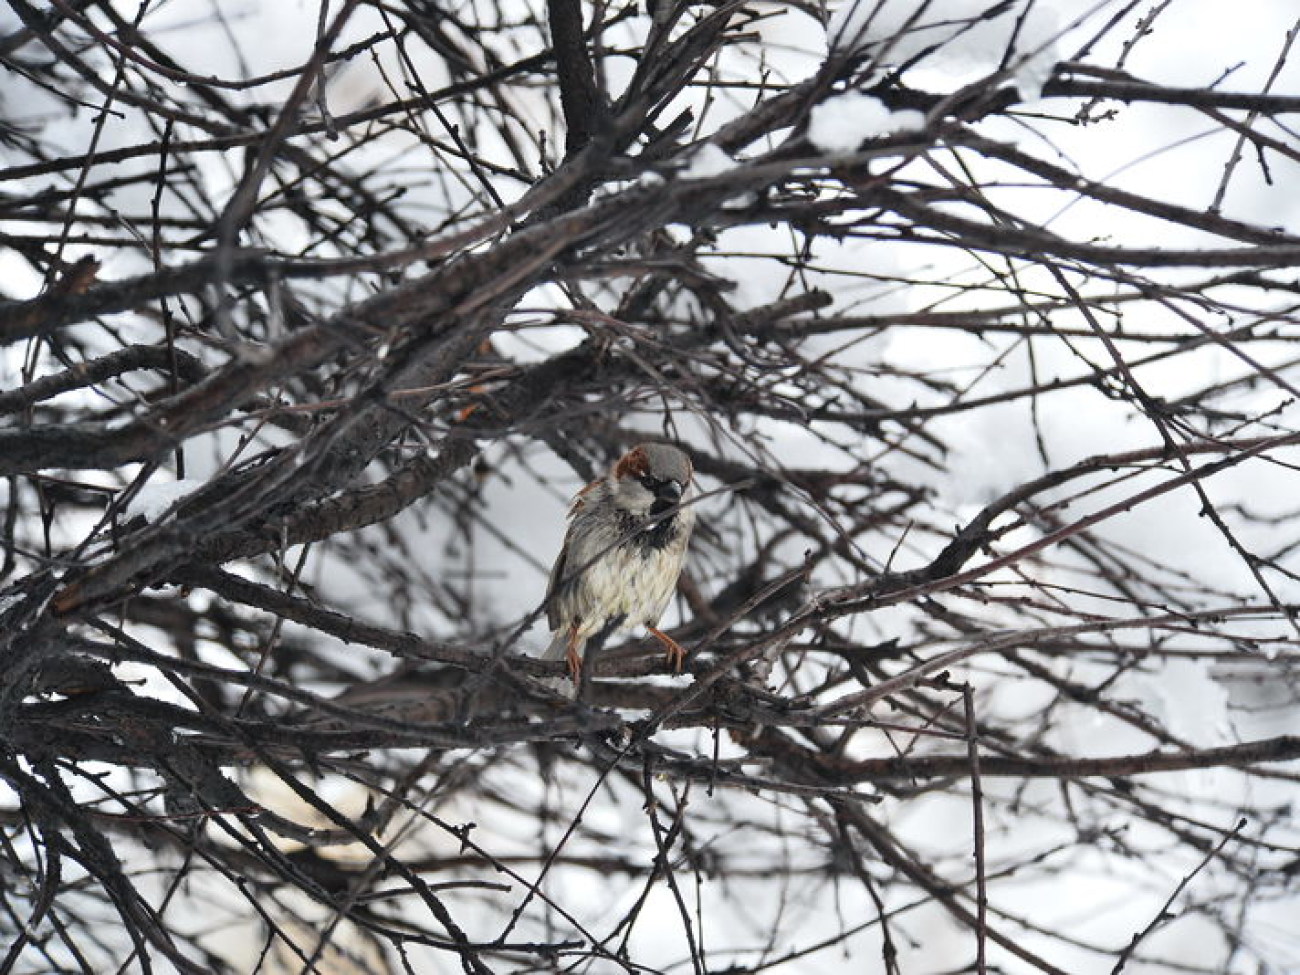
622,553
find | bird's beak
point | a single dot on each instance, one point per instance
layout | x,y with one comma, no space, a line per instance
669,491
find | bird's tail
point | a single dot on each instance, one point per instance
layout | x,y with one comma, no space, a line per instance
559,646
559,650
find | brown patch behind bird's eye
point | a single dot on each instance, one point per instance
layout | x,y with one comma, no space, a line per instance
633,464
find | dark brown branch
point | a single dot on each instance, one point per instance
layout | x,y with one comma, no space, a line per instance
584,106
1284,748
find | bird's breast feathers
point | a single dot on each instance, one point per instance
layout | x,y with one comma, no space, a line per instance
619,573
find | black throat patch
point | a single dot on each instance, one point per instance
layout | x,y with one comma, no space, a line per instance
655,537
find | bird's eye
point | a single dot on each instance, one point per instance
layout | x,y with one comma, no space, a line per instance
648,482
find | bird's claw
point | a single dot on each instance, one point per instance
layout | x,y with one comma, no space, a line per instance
676,653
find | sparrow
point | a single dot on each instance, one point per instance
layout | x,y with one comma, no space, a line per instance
622,553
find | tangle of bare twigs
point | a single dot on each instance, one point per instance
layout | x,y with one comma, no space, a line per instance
303,357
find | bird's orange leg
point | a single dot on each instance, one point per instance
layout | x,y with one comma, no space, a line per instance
572,657
676,654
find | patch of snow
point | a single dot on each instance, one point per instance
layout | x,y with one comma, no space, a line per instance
156,498
844,122
957,36
707,161
1033,73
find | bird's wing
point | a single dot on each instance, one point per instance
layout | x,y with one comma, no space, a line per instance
558,570
553,584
